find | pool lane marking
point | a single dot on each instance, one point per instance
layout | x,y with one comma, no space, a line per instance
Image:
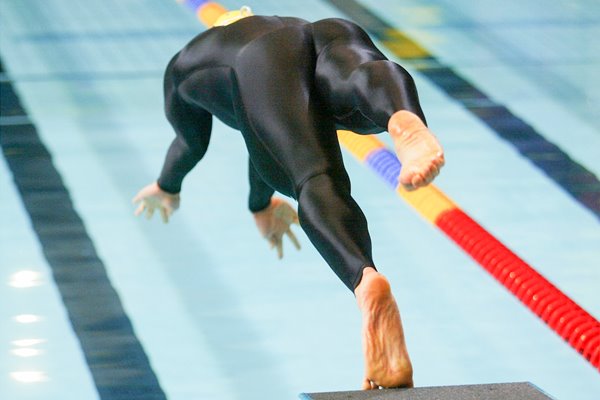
116,359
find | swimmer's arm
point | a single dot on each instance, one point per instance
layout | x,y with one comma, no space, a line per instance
193,128
260,192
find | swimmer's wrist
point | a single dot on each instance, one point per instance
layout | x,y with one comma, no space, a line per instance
174,190
256,209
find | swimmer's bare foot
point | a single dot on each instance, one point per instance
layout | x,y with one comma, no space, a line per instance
420,153
386,358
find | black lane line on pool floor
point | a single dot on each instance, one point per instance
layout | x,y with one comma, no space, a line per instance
116,359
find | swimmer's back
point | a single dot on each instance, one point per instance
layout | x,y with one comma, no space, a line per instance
220,45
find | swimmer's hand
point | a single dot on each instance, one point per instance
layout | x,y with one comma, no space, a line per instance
275,221
153,197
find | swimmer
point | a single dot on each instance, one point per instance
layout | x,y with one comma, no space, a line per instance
287,84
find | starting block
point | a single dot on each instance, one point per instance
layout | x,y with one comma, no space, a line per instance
496,391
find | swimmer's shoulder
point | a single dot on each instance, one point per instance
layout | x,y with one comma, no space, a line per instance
332,28
337,24
265,22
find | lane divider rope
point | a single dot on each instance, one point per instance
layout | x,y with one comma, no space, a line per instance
570,321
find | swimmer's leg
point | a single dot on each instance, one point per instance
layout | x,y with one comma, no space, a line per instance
369,93
388,96
294,147
335,225
338,229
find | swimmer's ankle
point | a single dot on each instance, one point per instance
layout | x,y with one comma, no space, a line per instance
372,286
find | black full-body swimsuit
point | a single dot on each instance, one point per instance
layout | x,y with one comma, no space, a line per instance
287,84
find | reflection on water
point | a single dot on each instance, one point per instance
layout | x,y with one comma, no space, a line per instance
27,318
25,279
29,376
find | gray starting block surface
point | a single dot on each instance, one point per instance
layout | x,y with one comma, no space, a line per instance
496,391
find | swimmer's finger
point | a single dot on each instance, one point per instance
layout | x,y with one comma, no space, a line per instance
140,209
164,213
150,212
137,198
293,238
271,240
276,242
